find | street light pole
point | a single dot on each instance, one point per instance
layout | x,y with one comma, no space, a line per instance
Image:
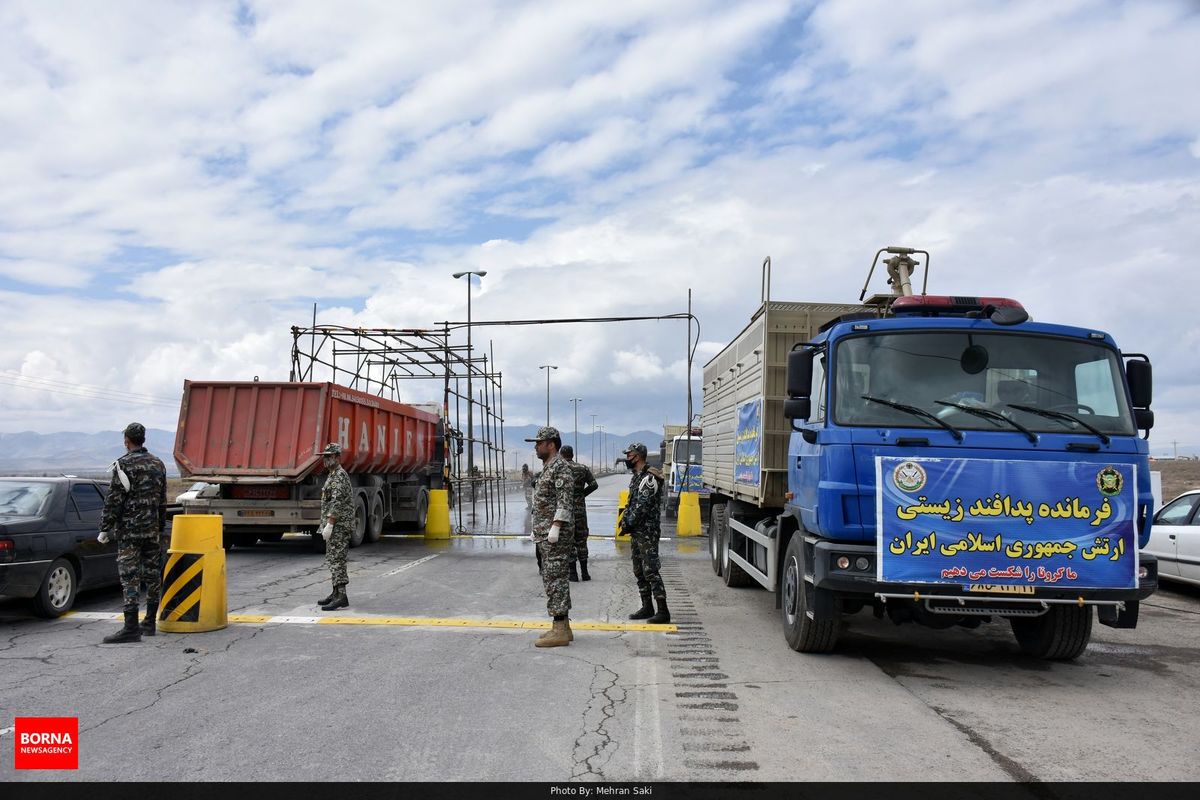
470,395
548,367
575,401
593,447
603,459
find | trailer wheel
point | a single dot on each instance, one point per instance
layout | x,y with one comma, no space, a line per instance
803,633
716,525
733,575
422,508
375,520
360,521
1061,634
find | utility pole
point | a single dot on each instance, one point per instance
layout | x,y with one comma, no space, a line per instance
593,447
603,461
548,367
575,401
470,396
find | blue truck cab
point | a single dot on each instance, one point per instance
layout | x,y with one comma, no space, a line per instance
952,462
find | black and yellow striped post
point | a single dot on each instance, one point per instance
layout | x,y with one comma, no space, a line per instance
194,598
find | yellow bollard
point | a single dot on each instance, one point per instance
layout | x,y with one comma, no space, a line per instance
622,501
437,520
688,523
193,587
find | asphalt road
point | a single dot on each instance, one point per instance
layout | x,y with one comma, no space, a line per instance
454,690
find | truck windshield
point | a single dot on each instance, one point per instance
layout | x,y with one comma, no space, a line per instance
944,373
684,453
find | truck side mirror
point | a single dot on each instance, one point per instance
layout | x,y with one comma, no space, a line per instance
1143,418
1141,383
799,374
797,408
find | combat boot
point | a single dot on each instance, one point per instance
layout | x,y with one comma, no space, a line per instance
572,575
329,597
339,600
646,611
148,626
130,633
583,573
664,614
559,636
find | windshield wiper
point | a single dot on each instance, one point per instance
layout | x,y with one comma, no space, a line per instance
1061,416
995,416
916,412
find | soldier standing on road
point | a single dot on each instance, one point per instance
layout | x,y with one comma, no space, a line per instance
337,517
553,533
640,521
585,484
135,512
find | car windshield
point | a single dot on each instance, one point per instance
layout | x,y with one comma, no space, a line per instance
18,499
968,380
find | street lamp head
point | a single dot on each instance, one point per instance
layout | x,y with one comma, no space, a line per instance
479,272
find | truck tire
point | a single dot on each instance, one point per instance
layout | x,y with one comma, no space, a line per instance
671,508
422,509
803,633
716,526
732,574
375,520
359,532
1061,634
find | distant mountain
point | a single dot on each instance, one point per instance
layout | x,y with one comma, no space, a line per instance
76,453
86,453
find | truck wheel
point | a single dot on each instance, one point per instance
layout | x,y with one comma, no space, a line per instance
716,524
56,595
422,509
733,575
671,508
360,521
375,520
1061,634
803,633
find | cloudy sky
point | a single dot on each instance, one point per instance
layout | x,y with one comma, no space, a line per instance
182,181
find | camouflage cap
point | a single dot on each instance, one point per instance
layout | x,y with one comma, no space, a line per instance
545,433
135,430
332,449
635,447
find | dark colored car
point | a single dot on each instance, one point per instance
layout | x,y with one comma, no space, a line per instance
48,546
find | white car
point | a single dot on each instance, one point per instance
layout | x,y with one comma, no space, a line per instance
199,489
1175,539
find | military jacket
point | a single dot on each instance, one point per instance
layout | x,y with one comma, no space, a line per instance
554,499
136,505
585,484
645,499
337,499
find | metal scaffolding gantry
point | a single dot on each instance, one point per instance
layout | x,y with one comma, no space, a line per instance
379,360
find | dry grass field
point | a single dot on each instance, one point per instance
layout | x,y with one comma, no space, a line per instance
1177,476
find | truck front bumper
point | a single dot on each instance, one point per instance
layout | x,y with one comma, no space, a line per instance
861,583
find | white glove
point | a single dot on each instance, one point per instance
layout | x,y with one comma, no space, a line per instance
326,531
103,538
532,538
553,537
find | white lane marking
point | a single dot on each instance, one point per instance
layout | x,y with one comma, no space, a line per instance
5,731
284,620
409,565
92,615
647,736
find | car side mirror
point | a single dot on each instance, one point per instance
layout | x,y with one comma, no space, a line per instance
799,375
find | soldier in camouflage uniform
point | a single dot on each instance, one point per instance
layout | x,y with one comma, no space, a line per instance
337,524
585,484
640,521
135,512
553,533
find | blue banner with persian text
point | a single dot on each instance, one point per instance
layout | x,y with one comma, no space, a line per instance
747,457
688,478
980,523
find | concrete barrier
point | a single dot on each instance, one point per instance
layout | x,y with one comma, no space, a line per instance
688,523
194,596
622,501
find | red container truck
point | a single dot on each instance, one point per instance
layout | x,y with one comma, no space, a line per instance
261,444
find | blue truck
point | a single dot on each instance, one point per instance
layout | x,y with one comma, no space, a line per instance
940,460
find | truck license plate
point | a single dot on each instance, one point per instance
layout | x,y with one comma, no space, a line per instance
988,588
257,512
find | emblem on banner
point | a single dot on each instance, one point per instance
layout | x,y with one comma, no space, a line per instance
909,477
1110,482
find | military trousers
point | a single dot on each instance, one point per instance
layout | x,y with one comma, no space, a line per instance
139,561
581,537
335,556
646,565
555,559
